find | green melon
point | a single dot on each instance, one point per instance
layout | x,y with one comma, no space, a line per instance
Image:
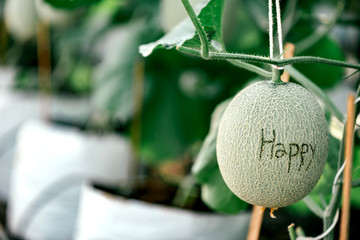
272,144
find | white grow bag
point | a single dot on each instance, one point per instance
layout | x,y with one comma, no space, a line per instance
103,216
15,108
50,166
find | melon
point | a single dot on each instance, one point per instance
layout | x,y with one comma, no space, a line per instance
272,144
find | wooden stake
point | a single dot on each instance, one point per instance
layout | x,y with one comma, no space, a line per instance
349,138
3,42
289,52
138,97
44,67
255,223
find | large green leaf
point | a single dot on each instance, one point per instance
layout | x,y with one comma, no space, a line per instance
209,13
206,163
240,32
172,119
71,4
355,192
324,186
179,101
258,9
324,76
218,196
215,192
113,94
113,77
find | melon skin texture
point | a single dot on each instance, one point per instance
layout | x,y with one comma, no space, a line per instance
272,144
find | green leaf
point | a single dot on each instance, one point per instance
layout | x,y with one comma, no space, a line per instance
218,196
258,9
215,192
71,4
179,101
209,13
324,76
355,192
324,186
241,34
206,163
171,120
113,78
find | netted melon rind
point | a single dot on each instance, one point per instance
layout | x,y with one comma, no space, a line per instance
257,114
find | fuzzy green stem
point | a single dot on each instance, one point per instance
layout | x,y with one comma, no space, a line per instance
260,59
252,68
308,84
199,28
276,74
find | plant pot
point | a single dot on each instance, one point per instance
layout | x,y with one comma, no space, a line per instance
106,216
15,108
51,164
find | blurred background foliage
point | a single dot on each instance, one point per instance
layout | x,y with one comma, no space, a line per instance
94,53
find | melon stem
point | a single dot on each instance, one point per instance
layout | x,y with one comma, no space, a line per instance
276,76
272,212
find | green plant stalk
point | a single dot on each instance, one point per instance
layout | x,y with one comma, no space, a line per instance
313,206
351,74
335,200
300,232
199,28
261,59
291,231
330,211
276,76
251,68
319,34
357,105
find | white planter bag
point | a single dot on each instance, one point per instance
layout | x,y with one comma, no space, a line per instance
50,166
103,216
15,108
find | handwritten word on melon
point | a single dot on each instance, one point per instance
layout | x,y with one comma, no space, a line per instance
302,151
